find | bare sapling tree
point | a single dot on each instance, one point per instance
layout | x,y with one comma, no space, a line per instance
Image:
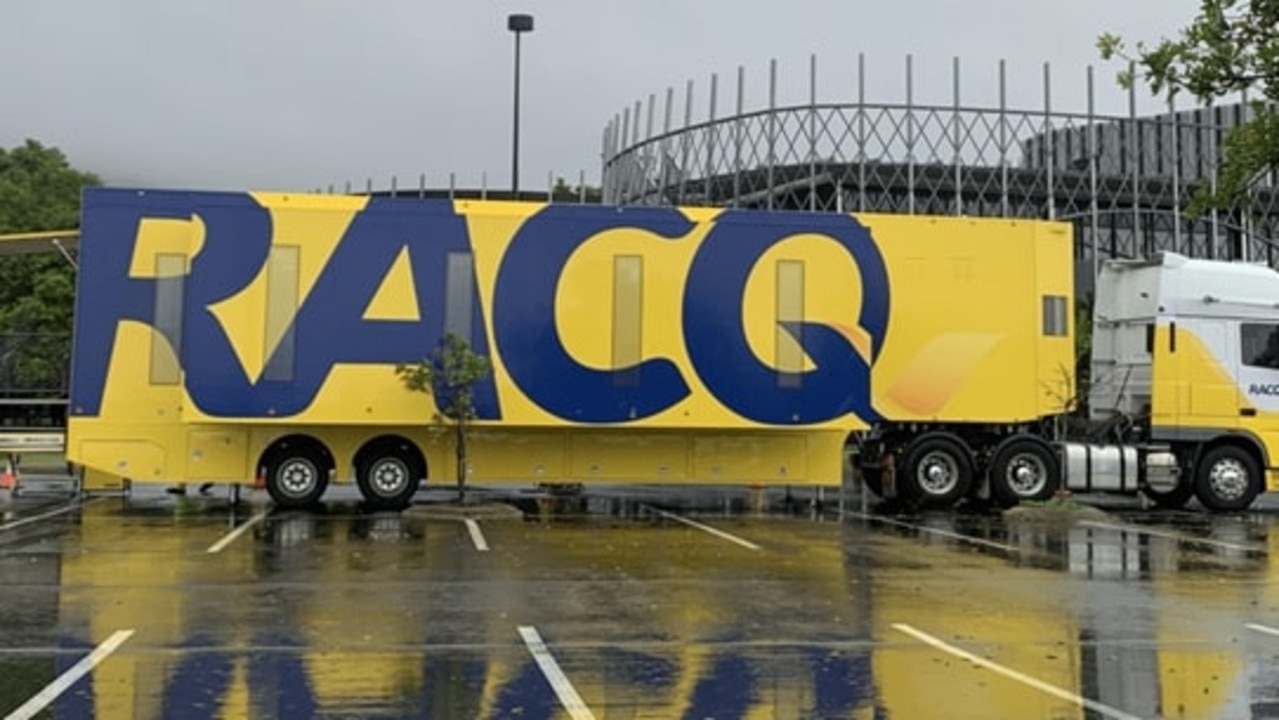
449,373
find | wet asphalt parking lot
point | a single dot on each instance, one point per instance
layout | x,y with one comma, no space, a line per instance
632,603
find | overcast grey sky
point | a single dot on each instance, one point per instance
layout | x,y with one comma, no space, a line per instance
268,94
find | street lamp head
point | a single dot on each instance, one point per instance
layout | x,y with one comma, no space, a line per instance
519,23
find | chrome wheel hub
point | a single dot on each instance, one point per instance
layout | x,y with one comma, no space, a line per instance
298,477
1026,474
1229,479
388,476
938,473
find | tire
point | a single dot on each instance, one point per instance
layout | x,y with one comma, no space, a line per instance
1227,479
1024,469
389,480
297,478
935,471
1174,499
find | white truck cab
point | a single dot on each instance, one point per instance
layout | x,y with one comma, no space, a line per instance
1183,398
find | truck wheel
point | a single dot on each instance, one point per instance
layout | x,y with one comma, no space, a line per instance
296,479
1024,469
1174,499
936,471
388,481
1227,479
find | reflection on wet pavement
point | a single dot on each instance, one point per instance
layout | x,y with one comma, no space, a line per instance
341,613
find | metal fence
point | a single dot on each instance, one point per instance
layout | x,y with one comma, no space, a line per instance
34,365
558,188
34,375
1124,180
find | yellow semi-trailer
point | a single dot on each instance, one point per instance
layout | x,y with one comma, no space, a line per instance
223,337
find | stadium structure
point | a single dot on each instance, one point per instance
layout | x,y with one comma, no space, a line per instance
1125,181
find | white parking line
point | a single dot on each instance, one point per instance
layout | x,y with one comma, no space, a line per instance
1014,675
717,533
237,532
551,669
42,516
64,681
477,537
1189,539
944,533
1263,629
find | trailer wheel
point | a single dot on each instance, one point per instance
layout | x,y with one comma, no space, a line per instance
936,471
1024,469
388,480
1227,479
296,478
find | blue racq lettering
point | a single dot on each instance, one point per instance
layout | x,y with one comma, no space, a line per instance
237,240
717,345
1263,389
524,320
328,328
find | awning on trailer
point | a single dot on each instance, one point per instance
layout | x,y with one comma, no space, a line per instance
38,242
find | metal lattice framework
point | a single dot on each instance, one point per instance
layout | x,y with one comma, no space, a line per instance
1124,181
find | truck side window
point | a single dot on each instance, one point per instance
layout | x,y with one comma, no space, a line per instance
459,289
790,310
628,319
1055,316
170,272
1259,345
282,281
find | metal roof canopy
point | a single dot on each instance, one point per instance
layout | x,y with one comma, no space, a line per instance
63,241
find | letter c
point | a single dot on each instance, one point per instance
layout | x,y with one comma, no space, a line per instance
524,319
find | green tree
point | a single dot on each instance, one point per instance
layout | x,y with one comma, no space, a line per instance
450,373
1083,351
1229,47
39,190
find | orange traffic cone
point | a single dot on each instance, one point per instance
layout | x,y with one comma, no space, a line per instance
9,480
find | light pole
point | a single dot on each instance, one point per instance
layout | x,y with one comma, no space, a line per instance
518,24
